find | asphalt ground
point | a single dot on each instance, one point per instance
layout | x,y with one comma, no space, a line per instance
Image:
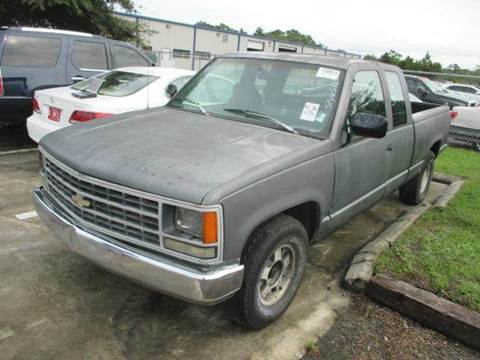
56,305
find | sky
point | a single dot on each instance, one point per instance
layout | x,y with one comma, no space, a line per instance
449,30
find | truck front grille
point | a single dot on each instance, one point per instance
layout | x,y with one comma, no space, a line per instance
124,215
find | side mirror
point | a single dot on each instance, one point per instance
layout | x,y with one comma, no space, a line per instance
171,90
369,125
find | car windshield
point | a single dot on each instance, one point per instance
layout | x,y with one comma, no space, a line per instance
289,96
116,83
435,87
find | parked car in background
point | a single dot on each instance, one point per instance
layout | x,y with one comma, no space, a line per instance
431,92
34,58
413,98
466,125
215,196
114,92
464,88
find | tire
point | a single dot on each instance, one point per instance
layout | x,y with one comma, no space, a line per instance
416,189
276,252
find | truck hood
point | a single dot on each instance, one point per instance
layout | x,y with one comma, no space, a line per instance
178,154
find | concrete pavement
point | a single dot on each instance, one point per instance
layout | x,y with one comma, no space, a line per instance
56,305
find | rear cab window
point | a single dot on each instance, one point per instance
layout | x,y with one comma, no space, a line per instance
124,56
399,108
31,51
118,83
89,55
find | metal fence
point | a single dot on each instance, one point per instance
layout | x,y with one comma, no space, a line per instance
181,59
461,93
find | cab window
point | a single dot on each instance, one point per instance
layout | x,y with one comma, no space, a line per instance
399,109
366,97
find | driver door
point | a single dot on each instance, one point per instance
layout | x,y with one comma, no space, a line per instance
361,164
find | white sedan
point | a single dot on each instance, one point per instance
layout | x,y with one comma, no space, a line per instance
114,92
466,117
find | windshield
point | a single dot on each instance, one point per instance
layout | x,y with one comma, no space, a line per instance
290,96
433,86
116,83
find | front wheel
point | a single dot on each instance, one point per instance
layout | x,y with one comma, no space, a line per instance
275,261
416,189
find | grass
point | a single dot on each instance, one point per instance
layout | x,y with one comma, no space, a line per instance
441,251
311,345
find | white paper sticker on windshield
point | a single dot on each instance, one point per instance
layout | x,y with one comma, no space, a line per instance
309,112
328,73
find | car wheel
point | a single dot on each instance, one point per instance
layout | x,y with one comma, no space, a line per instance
416,189
275,261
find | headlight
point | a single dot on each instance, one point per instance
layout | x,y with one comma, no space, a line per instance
201,225
189,221
192,232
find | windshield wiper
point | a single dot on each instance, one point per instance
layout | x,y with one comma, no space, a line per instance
194,103
257,115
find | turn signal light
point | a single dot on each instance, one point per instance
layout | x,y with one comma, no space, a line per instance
84,116
210,228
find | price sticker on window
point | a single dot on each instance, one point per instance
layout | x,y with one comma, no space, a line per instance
309,112
327,73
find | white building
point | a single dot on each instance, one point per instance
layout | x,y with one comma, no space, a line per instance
191,46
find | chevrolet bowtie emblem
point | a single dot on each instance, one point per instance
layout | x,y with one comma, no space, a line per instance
81,201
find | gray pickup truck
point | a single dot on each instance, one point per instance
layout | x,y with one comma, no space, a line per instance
218,194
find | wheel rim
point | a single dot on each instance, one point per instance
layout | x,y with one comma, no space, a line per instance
425,178
277,274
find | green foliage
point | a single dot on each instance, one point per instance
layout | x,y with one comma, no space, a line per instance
423,64
93,16
289,35
408,63
441,251
311,345
221,26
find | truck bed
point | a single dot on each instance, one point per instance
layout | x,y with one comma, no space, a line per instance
431,123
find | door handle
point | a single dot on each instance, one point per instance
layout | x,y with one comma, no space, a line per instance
389,147
77,78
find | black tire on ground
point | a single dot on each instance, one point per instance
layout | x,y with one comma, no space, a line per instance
275,259
416,189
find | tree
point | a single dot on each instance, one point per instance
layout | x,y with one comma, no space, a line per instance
391,57
370,57
292,35
93,16
221,26
259,32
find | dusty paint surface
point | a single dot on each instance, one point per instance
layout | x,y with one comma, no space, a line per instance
54,304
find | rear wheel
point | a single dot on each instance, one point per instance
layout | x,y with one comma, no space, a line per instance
275,261
416,189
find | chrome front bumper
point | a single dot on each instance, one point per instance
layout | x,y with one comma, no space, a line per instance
163,275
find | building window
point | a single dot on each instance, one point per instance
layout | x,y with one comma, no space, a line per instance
202,55
180,53
284,48
255,45
225,38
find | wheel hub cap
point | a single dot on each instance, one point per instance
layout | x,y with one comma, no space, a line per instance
277,274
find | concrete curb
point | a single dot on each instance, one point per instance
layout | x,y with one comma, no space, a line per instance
430,310
361,268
